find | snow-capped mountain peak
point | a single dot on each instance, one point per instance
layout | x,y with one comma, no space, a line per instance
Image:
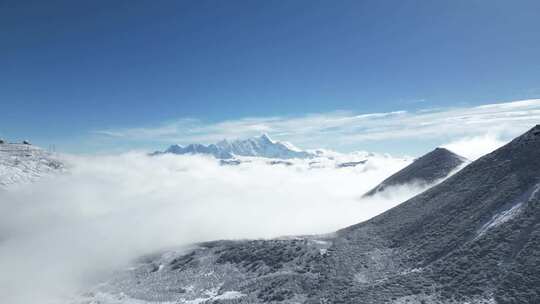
260,146
265,138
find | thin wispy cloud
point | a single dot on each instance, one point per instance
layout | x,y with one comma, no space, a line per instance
346,130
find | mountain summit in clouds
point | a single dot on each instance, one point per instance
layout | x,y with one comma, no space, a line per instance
262,146
425,170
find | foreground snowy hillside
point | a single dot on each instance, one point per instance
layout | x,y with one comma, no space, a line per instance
21,163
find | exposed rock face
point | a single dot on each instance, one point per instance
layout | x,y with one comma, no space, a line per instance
212,149
351,164
261,146
425,170
474,238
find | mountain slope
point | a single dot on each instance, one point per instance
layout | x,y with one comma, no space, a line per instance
425,170
474,238
477,232
262,146
21,163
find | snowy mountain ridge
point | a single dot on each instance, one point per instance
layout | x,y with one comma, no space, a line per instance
22,163
261,146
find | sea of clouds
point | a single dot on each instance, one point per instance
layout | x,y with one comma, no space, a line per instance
70,231
64,233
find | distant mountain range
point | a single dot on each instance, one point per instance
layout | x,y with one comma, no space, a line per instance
428,169
262,146
473,238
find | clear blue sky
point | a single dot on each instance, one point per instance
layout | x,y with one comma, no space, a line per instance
68,68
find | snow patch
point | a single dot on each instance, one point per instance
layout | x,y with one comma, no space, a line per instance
361,278
229,295
500,218
20,164
506,215
213,296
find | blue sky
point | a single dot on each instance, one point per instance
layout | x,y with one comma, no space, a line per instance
74,70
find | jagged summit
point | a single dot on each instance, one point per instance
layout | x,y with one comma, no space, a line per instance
261,146
212,149
265,138
425,170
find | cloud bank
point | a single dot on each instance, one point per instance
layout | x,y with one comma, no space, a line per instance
347,130
474,147
66,233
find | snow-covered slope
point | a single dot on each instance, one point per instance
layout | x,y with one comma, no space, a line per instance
21,163
262,146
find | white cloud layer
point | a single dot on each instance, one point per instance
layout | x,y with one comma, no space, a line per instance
349,131
475,147
65,233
